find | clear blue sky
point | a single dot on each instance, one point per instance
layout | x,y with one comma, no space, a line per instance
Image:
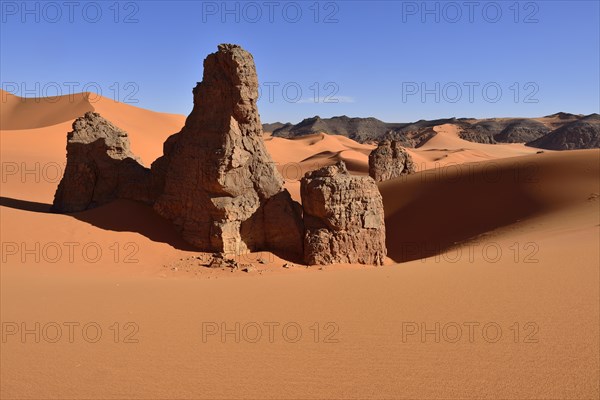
374,58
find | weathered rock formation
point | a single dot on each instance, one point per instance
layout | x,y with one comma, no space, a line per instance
580,134
343,218
100,167
389,160
522,131
221,187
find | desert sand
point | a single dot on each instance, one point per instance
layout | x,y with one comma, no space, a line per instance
496,240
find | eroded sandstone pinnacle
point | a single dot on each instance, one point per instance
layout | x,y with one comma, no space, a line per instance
221,187
343,217
389,160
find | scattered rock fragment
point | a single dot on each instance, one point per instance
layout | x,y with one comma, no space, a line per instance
248,268
220,261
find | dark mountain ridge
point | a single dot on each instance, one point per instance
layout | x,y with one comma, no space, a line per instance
559,131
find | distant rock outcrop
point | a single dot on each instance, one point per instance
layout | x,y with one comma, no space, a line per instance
481,131
389,160
343,217
581,134
521,131
359,129
362,130
100,167
416,134
273,127
221,187
564,115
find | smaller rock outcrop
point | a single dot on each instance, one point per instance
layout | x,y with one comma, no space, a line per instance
522,131
343,218
390,160
100,167
583,133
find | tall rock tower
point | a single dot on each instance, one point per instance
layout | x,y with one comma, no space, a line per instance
221,187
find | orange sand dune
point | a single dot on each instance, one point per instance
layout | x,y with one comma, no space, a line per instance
550,295
314,151
49,119
447,148
295,157
448,205
147,130
30,113
511,251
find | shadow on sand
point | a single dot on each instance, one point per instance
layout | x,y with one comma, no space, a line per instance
117,216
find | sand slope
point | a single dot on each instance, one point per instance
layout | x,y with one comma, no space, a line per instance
29,113
435,208
295,157
447,148
45,122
